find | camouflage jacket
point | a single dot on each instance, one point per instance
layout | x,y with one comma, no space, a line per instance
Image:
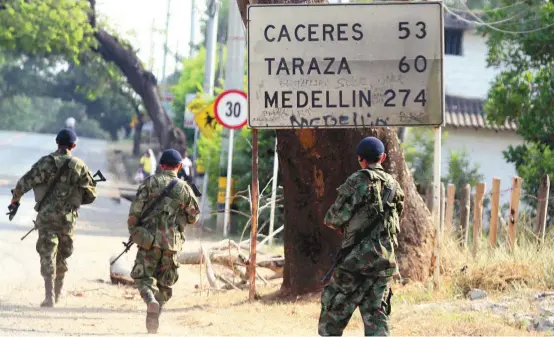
164,225
75,187
357,210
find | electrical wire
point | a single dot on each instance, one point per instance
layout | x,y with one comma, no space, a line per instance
489,10
482,23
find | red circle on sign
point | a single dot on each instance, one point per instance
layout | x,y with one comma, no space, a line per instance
219,98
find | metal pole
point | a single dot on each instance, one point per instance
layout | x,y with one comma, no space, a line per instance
211,41
166,33
254,229
209,77
273,195
151,58
228,185
436,203
192,26
234,79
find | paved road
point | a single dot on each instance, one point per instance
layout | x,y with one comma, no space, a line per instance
90,306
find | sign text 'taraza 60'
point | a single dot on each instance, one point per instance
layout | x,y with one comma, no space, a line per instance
356,65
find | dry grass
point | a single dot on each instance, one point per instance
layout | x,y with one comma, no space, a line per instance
417,310
499,269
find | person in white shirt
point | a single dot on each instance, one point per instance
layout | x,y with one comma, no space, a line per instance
186,171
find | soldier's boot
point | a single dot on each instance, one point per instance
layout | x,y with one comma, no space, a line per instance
48,293
161,308
58,285
152,311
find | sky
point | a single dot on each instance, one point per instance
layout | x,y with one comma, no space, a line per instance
133,19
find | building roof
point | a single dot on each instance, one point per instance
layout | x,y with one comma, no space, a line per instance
461,112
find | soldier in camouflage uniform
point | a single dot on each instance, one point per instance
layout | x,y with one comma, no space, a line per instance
58,213
160,234
370,225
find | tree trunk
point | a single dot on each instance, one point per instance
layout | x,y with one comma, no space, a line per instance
138,136
313,164
142,81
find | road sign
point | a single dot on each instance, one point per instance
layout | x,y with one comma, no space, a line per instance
231,109
308,67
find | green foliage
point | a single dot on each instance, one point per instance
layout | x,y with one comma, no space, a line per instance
461,172
46,27
46,115
418,151
523,91
533,161
29,114
99,88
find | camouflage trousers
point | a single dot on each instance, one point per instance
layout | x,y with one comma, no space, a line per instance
347,291
156,269
55,242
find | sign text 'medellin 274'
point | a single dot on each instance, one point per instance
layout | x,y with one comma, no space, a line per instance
340,66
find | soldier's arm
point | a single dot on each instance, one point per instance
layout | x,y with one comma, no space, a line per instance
137,206
87,186
38,174
347,200
191,206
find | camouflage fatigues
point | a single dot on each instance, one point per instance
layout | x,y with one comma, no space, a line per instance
57,217
363,279
161,234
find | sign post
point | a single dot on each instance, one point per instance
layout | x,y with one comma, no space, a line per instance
231,112
314,69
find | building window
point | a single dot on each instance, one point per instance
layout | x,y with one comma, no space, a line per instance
453,41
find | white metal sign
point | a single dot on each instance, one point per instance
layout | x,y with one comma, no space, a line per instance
345,65
231,109
188,120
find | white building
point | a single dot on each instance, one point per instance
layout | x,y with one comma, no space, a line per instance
467,81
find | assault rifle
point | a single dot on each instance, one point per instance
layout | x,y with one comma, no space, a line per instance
388,196
13,208
164,193
186,178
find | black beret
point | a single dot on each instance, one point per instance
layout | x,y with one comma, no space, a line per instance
370,148
66,137
171,157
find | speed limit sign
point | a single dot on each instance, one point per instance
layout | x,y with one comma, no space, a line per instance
231,109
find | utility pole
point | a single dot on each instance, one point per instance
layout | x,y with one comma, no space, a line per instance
192,27
152,45
166,33
209,79
234,79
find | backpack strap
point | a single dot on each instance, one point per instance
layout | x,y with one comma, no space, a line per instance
53,183
158,199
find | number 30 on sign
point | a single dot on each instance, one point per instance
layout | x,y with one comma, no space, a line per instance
231,109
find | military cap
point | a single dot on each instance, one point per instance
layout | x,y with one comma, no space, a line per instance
370,148
66,137
171,157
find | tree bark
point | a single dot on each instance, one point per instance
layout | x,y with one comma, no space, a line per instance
313,164
142,81
138,135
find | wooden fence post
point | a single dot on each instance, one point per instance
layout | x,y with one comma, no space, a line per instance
464,213
495,211
542,211
449,211
478,216
514,211
443,206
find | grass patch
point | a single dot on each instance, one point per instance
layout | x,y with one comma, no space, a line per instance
500,269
